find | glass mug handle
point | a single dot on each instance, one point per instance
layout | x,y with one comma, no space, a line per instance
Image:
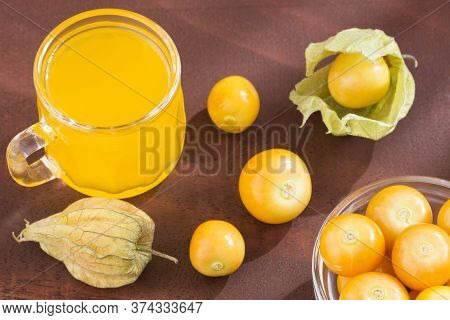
21,147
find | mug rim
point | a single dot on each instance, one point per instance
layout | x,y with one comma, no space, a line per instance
174,65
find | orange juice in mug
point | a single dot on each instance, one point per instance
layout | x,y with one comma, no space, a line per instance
110,104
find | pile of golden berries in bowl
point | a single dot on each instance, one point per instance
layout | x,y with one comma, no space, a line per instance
383,242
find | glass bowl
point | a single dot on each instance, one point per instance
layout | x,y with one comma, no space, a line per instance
437,191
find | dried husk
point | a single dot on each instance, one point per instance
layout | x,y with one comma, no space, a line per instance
105,243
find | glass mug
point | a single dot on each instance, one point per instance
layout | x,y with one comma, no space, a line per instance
110,105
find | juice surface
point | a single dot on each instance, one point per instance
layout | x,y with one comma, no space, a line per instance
107,76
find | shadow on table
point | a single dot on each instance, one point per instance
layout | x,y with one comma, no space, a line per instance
303,292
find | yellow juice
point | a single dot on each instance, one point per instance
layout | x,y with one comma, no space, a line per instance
107,77
110,76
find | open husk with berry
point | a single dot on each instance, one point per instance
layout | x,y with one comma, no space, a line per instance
373,122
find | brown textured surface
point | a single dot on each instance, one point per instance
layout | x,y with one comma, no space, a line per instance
264,41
